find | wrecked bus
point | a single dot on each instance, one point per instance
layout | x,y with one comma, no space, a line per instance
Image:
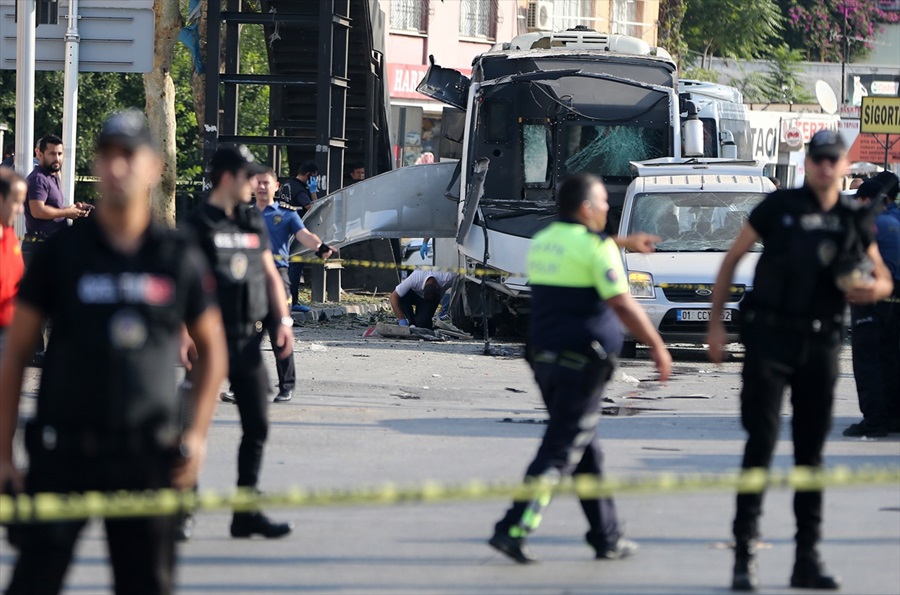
535,109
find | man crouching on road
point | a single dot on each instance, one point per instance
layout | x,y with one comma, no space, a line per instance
416,298
572,351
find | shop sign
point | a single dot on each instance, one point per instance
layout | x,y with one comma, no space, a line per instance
764,135
404,78
807,125
793,137
880,115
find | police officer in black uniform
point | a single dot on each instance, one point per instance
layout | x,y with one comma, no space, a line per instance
572,352
119,289
818,253
233,236
876,327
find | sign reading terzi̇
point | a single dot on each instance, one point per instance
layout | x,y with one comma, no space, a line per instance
880,115
116,36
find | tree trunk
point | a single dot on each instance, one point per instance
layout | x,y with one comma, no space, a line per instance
198,81
160,106
671,15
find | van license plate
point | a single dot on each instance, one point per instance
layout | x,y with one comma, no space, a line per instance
699,315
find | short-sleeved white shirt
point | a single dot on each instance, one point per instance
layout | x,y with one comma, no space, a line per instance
416,282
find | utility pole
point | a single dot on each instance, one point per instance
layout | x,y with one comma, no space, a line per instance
25,40
70,104
844,49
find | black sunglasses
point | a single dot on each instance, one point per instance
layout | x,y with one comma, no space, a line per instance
818,159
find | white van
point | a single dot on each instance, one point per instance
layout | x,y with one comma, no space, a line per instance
697,207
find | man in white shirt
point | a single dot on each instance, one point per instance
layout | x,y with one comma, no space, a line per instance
418,296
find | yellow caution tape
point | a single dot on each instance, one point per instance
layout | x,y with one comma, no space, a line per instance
474,272
378,264
57,507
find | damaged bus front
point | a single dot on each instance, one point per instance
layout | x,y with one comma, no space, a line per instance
532,117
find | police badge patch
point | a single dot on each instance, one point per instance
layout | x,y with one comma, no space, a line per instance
127,330
238,265
826,252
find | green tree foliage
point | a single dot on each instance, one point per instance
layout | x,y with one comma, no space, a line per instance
669,36
700,74
100,94
740,29
779,83
816,27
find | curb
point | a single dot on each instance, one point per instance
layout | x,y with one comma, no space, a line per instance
325,312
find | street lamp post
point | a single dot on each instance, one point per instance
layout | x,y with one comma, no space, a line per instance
844,49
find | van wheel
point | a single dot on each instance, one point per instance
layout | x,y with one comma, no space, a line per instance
629,349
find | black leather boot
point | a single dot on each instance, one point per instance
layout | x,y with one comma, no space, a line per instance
744,576
809,573
247,524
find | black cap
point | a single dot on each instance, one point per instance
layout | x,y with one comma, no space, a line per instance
127,128
826,143
885,184
234,159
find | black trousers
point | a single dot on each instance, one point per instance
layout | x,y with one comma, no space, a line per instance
250,385
285,368
295,272
141,550
808,364
29,246
570,445
418,310
876,360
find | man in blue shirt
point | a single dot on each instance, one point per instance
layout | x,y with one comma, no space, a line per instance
876,327
282,225
45,210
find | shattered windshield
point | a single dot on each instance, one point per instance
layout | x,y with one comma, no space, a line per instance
608,150
694,221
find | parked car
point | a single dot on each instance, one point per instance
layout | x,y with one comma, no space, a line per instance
698,209
412,255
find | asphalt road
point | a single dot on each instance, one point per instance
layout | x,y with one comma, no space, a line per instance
373,410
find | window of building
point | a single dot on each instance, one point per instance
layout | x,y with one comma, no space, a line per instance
478,18
625,18
409,15
570,13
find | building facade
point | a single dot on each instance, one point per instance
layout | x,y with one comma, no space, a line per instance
457,31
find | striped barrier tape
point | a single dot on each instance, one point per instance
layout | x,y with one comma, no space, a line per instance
377,264
57,507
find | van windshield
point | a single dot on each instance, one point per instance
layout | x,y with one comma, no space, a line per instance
694,221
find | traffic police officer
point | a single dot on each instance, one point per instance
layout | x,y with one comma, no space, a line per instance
119,290
233,236
815,241
876,327
578,287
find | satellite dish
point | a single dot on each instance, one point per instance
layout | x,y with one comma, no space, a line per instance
826,97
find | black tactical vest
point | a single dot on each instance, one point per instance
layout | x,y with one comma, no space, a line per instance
803,253
234,247
116,328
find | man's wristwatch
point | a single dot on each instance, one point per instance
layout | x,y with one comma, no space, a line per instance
287,321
